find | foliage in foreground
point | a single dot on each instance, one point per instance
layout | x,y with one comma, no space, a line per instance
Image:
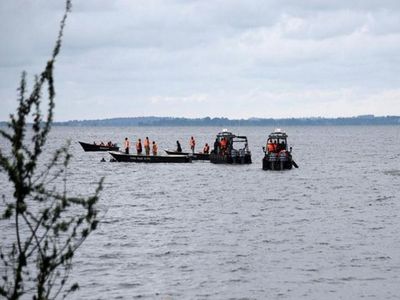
42,226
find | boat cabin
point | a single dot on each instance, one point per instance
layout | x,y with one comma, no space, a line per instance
276,142
230,148
226,142
277,153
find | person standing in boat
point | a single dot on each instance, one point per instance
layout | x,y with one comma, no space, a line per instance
178,147
139,147
127,145
270,146
192,144
223,144
282,146
276,148
216,146
228,145
155,148
206,149
147,146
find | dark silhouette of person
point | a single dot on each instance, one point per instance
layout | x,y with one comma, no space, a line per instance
178,147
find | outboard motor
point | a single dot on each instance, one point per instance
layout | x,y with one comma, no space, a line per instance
242,155
282,159
272,158
234,155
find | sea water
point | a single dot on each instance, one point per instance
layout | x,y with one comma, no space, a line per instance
327,230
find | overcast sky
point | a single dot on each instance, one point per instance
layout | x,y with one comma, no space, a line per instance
197,58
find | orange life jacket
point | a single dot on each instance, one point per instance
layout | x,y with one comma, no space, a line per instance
271,147
223,143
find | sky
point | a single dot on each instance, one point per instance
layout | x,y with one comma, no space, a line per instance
198,58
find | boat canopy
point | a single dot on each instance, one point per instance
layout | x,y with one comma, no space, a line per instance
230,148
225,134
231,137
280,137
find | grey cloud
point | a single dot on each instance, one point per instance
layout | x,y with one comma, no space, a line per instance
196,58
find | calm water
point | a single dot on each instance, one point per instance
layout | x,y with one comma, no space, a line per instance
328,230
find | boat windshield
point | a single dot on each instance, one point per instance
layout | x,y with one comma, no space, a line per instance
279,138
239,144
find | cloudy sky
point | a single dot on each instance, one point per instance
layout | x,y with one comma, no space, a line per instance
197,58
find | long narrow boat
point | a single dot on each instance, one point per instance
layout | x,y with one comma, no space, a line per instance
93,147
122,157
195,156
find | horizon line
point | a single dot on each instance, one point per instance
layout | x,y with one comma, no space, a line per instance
228,118
363,116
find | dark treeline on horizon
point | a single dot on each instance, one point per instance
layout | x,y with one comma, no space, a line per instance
207,121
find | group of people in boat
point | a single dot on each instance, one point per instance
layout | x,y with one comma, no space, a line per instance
139,146
274,147
221,146
108,144
145,146
192,145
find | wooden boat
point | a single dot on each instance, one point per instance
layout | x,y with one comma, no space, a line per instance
122,157
280,158
236,150
195,156
93,147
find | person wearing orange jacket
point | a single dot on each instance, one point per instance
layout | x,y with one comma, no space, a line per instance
206,149
146,145
223,144
139,146
270,146
192,144
155,148
127,145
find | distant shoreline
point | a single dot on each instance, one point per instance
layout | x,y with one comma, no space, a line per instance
207,121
